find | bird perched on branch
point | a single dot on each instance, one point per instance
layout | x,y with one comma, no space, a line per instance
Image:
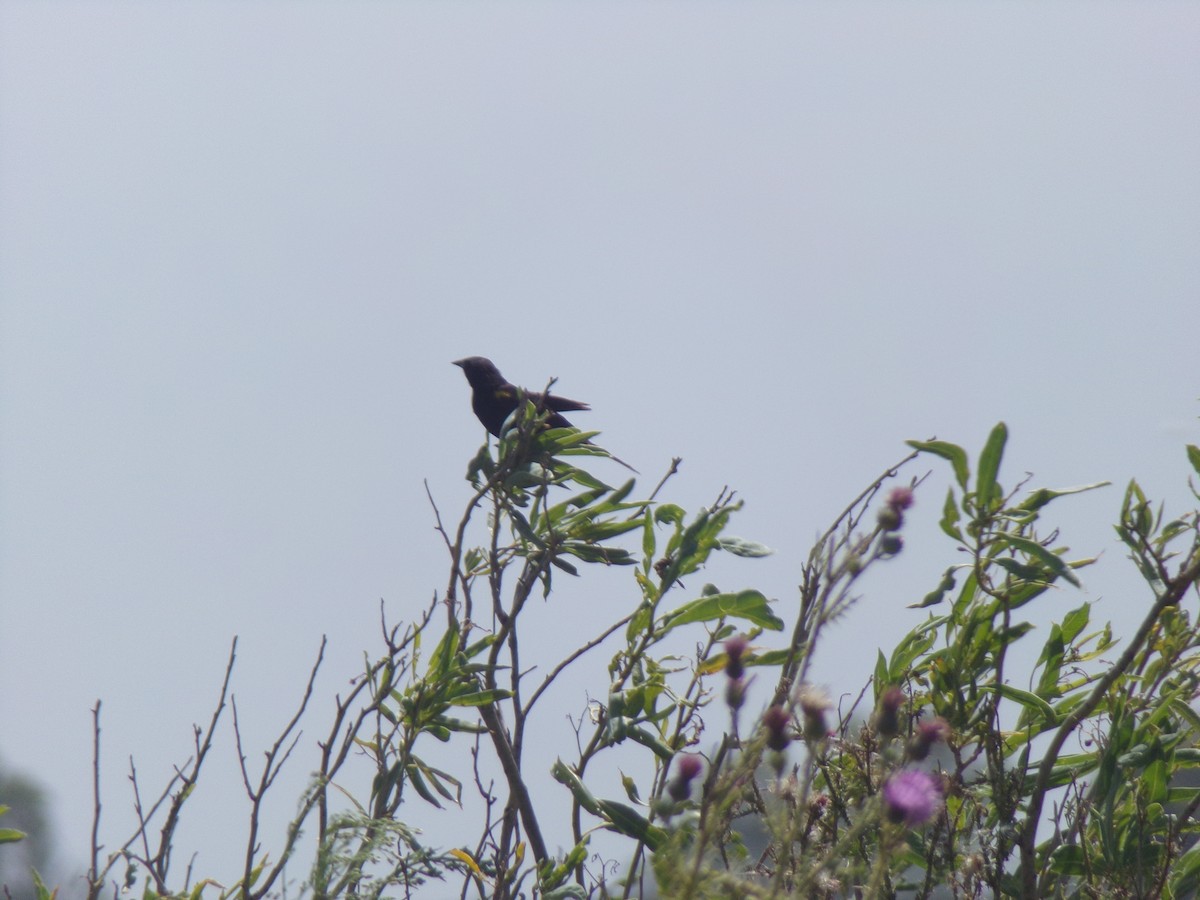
494,399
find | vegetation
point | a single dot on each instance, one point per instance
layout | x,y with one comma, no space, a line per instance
957,770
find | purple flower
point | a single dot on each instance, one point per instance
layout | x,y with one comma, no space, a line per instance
735,649
900,498
912,798
933,731
686,770
689,766
776,721
891,516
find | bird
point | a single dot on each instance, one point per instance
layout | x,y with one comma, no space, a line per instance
494,399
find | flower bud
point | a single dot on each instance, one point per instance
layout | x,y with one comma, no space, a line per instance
776,721
735,693
686,770
887,714
889,518
814,704
935,731
735,649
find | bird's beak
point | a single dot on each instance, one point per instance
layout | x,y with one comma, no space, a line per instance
461,363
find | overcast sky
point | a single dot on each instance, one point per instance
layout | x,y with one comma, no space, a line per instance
241,243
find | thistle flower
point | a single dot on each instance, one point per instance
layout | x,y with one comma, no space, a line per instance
887,714
814,704
934,731
912,798
686,770
891,515
735,687
776,721
735,649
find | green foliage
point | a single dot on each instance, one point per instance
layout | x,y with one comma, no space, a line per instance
1058,770
9,835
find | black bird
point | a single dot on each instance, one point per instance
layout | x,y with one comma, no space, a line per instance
494,399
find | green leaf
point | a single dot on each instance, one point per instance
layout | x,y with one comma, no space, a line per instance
949,521
669,514
41,892
443,654
1048,558
628,821
882,676
987,490
1021,570
579,501
525,529
690,547
1193,454
566,892
564,565
602,531
450,723
1039,498
1185,711
556,439
631,788
1152,781
1051,660
481,698
563,774
639,622
1075,621
1024,593
418,782
936,596
552,876
1069,860
1014,633
582,477
479,646
1185,874
11,835
966,595
649,541
620,494
593,553
750,605
1069,770
955,454
646,739
741,547
1024,698
916,643
768,658
438,779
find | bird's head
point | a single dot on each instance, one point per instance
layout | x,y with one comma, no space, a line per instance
480,371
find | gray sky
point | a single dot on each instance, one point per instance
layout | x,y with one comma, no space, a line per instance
241,243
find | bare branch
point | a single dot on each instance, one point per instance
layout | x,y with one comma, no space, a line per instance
94,871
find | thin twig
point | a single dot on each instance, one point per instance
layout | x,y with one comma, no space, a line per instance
595,642
271,769
94,872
